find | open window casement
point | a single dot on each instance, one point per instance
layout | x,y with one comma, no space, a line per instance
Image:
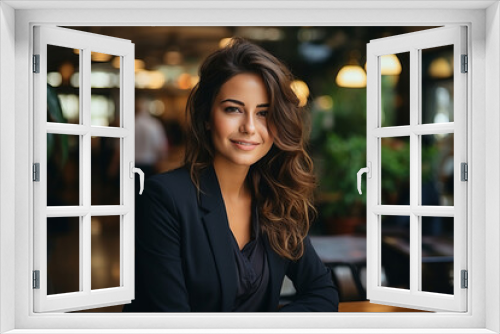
427,129
81,133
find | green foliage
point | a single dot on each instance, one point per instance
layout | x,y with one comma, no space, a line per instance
342,158
395,163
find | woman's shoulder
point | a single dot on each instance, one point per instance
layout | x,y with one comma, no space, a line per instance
175,177
176,182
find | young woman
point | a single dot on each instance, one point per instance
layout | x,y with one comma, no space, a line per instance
221,233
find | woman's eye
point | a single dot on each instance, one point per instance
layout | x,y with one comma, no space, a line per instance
263,113
232,109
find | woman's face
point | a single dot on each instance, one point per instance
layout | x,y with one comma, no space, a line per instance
238,121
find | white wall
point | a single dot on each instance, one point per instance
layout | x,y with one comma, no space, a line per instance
7,164
492,155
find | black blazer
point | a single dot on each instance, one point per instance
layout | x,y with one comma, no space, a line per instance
184,257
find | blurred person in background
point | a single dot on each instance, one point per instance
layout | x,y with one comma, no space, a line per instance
150,138
221,232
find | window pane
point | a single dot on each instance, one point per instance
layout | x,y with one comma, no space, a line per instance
395,170
105,252
437,85
395,89
396,251
63,170
105,90
63,97
105,171
437,254
63,255
437,169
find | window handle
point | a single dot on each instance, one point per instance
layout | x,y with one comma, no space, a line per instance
368,171
141,175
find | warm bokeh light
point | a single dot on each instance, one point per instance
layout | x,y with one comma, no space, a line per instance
104,79
116,62
66,69
157,107
440,68
224,42
390,65
351,76
184,81
172,58
156,80
139,64
149,79
194,80
75,79
70,106
301,90
102,110
324,102
54,79
100,57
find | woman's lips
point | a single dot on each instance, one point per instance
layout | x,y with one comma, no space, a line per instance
244,145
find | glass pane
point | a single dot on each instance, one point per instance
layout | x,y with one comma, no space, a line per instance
437,254
437,85
395,170
395,89
63,97
437,169
63,255
105,170
396,251
63,170
105,256
105,90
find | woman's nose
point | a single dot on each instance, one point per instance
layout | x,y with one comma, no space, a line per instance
248,125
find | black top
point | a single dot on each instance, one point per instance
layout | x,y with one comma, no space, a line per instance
184,261
252,271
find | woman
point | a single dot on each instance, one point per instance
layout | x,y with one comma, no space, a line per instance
221,233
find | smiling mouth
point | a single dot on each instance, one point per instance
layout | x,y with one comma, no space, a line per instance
243,143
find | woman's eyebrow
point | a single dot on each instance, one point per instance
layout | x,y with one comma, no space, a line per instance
234,101
242,104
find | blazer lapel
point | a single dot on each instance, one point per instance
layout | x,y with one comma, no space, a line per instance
276,274
218,232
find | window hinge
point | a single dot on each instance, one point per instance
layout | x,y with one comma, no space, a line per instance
36,172
465,64
36,279
464,172
465,279
36,63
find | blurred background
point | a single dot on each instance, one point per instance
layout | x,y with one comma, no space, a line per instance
330,66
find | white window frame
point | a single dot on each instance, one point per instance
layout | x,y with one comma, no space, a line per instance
85,297
414,43
483,21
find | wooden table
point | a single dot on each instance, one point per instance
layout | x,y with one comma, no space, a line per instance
366,306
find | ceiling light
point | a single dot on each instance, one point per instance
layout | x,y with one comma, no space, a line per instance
390,65
351,76
440,68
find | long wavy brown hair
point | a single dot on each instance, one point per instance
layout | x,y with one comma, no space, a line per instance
282,182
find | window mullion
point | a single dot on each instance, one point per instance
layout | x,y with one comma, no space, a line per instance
414,169
85,162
